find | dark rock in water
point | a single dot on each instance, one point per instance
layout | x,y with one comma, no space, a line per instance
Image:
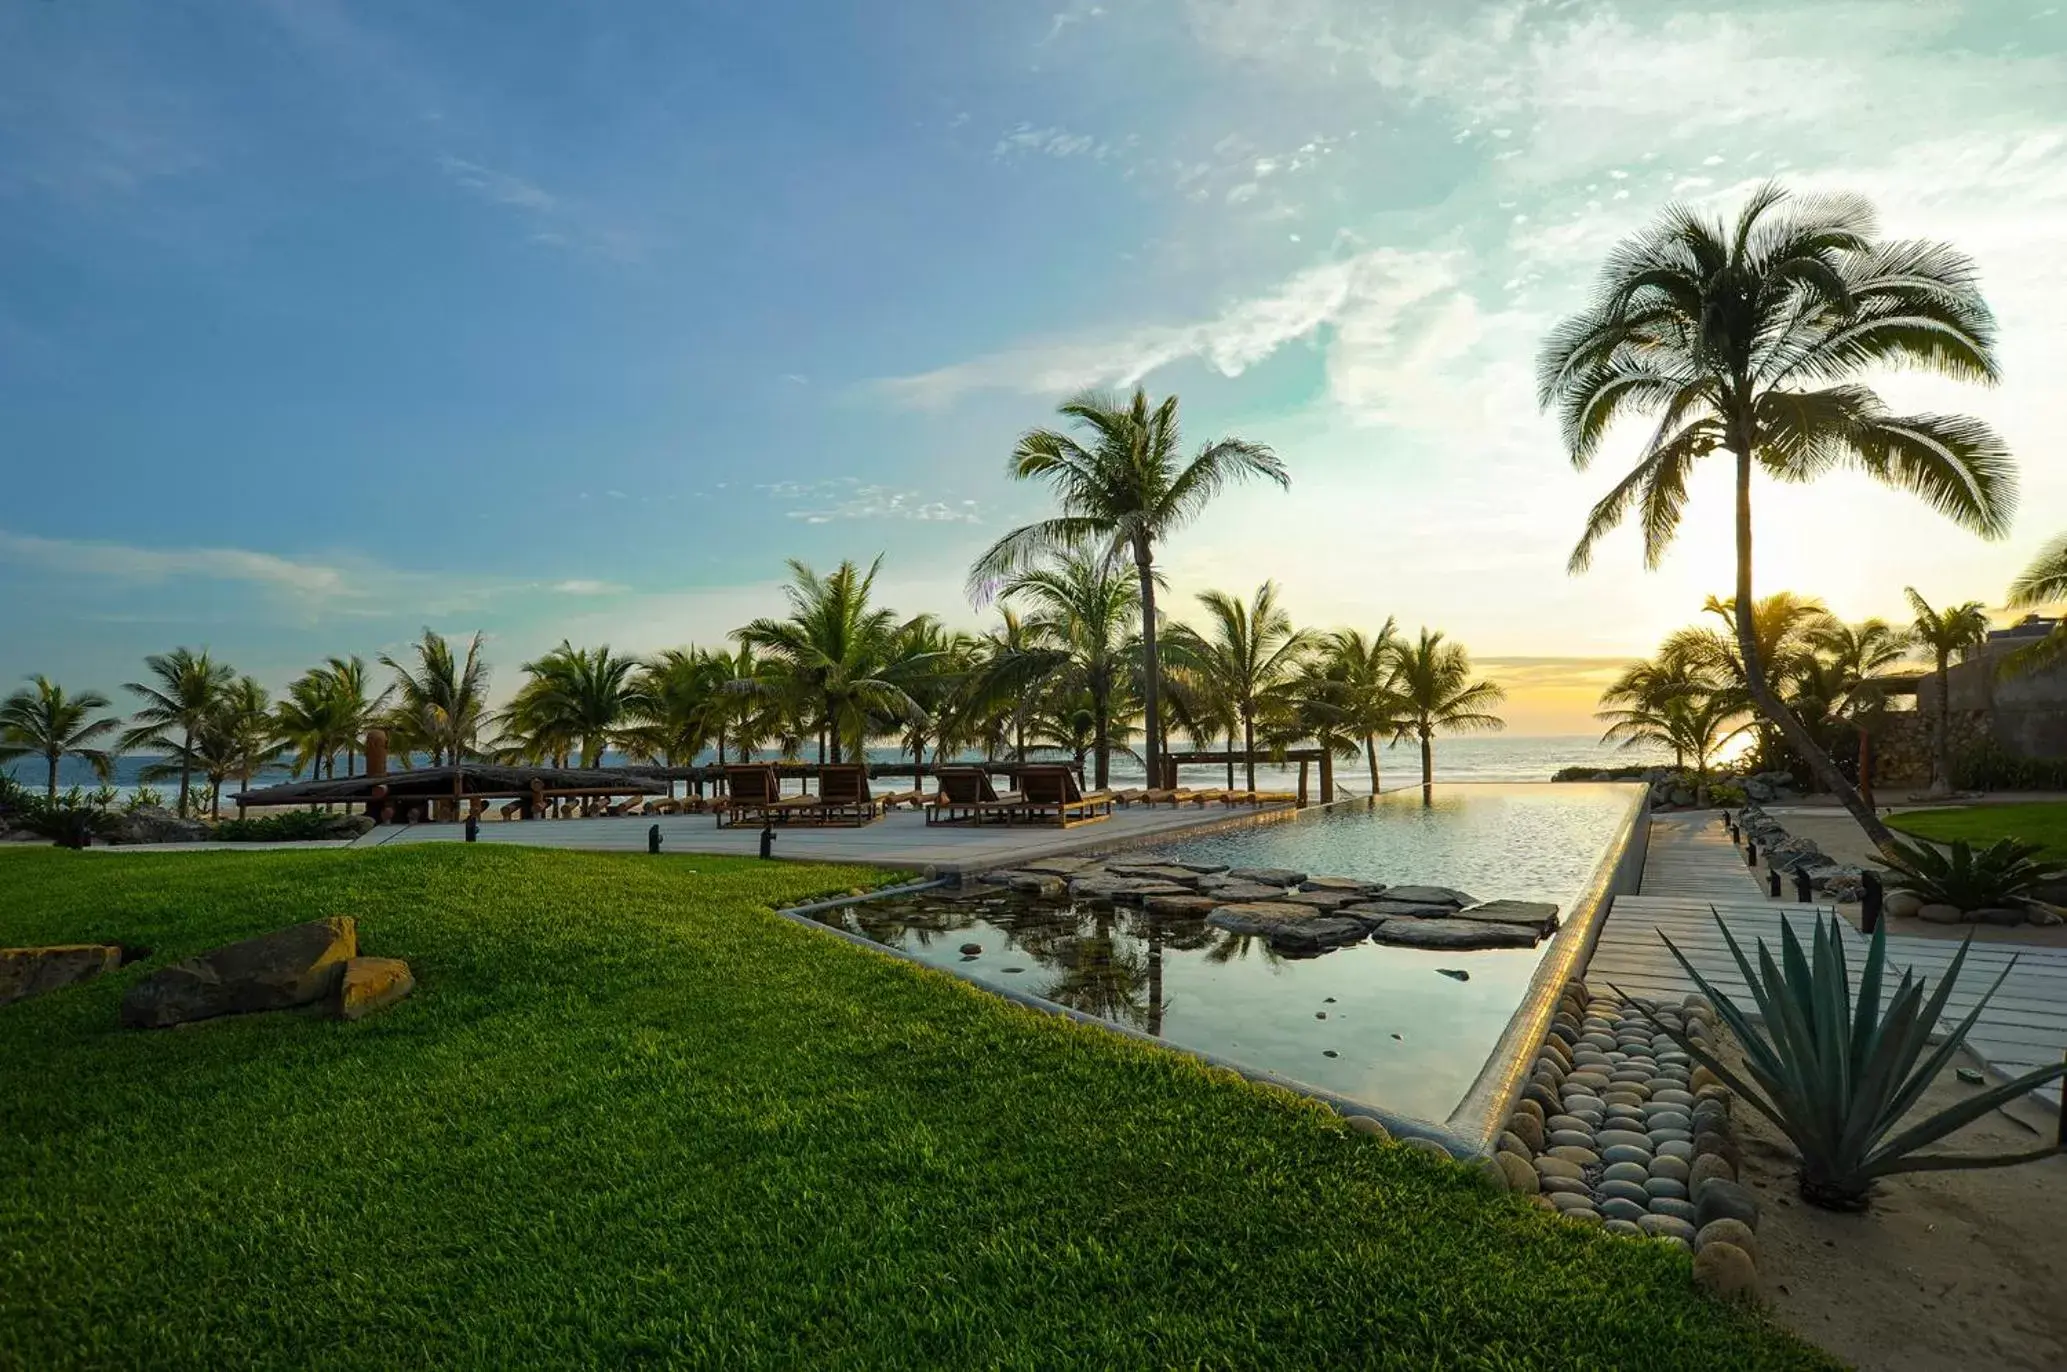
1011,969
1376,912
1197,869
1317,935
1257,917
1454,973
1268,876
1154,871
1329,1053
1429,895
1452,933
1122,890
1539,915
298,965
1036,884
1320,1014
970,950
1350,884
1183,907
1322,900
1969,1076
1059,866
1236,892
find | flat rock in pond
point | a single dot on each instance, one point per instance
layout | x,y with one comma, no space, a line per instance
1452,933
1059,866
1122,890
1404,909
1198,869
1155,871
1322,900
1317,935
1258,917
1038,884
298,965
1237,892
1268,876
1429,895
1186,907
1350,884
1539,915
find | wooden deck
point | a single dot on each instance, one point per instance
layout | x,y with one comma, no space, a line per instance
1690,878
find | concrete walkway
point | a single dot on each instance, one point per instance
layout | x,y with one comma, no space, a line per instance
1686,886
901,839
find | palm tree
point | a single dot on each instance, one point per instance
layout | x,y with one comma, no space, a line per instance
1646,689
239,738
834,650
675,694
743,711
576,697
1783,626
1122,491
1955,631
441,702
351,708
1848,658
1691,722
177,701
1437,695
40,720
1250,657
1360,671
1748,339
1084,606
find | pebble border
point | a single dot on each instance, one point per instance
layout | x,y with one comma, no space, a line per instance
1618,1128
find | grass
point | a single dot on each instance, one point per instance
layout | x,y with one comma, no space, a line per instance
633,1117
1983,824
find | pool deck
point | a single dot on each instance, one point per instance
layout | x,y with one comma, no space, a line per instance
901,839
1692,866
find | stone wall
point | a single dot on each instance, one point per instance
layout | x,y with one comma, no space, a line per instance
2027,714
1902,748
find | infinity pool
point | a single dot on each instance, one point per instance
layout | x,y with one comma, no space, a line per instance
1402,1028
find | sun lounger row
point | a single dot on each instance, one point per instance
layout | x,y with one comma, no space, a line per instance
1046,795
1184,796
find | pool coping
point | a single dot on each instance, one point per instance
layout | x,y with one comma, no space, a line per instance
1483,1111
1471,1128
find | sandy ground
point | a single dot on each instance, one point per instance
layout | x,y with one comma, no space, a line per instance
1946,1270
1839,835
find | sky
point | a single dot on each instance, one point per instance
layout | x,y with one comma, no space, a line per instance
321,323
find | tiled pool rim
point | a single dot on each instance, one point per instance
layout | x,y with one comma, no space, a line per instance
1474,1125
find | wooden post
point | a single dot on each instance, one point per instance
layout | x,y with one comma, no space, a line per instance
1302,783
1327,776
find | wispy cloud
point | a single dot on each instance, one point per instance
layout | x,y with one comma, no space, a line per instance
843,498
498,188
583,587
1025,140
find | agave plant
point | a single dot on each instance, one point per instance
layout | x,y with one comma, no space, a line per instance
1994,876
1836,1076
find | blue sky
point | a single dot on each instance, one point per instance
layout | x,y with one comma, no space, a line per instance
321,322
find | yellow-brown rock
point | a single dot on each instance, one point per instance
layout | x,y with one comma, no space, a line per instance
26,972
298,965
370,985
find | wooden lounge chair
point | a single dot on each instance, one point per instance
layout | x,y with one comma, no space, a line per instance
966,793
1051,795
1129,796
752,794
1203,798
843,797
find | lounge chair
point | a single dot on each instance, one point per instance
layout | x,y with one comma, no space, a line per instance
966,793
752,793
843,797
1129,796
1051,794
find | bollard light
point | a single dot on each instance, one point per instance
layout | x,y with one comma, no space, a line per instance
1802,887
767,840
473,827
653,839
1751,852
1773,882
1869,902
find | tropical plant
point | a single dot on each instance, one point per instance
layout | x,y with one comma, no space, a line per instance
1748,339
178,699
1081,604
1783,626
40,720
1356,676
1955,631
1122,491
1841,687
144,798
1249,656
242,738
1999,875
1696,724
834,652
575,698
1838,1077
440,701
1437,695
2044,582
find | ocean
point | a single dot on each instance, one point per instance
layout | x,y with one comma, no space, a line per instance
1483,757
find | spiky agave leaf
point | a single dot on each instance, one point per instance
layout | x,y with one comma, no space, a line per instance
1838,1076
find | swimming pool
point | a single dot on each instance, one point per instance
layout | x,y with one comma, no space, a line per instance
1405,1029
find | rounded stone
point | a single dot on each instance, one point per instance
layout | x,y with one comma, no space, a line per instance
1672,1169
1672,1096
1616,1208
1491,1174
1588,1057
1557,1167
1596,1039
1430,1147
1586,1216
1703,1077
1528,1129
1659,1136
1544,1097
1720,1144
1666,1186
1625,1190
1726,1269
1576,1101
1669,1117
1557,1122
1543,1202
1587,1116
1570,1186
1623,1228
1676,1149
1678,1209
1529,1108
1584,1157
1364,1124
1670,1226
1625,1152
1727,1231
1570,1138
1721,1199
1628,1093
1610,1136
1516,1175
1705,1168
1626,1171
1673,1241
1585,1079
1511,1142
1568,1201
1626,1112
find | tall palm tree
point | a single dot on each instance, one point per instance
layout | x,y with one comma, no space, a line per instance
1123,490
744,713
576,697
1693,724
1250,653
1955,631
351,706
441,700
1437,695
1748,339
182,691
1360,671
1647,688
1782,627
1848,659
834,650
1083,605
239,738
40,720
674,695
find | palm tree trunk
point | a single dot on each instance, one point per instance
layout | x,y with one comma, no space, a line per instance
1865,766
1155,975
53,776
1249,749
1230,761
1101,733
186,769
1765,698
1151,664
1427,766
1941,754
1371,757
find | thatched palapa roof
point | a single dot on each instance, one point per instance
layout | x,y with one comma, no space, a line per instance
476,779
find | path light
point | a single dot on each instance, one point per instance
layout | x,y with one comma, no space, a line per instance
1773,882
1801,885
1869,907
767,839
653,839
473,826
1751,853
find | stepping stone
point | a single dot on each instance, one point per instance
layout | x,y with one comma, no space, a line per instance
1452,933
1268,876
1349,884
1530,914
1430,895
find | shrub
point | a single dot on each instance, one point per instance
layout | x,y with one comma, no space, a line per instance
1994,876
1726,794
1988,766
145,797
1837,1078
293,826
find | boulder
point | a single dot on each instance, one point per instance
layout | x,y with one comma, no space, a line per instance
1901,904
1321,900
154,824
1268,876
1059,866
1936,913
1997,914
1122,890
1258,917
1430,895
299,965
1401,909
1718,1199
1037,884
370,985
26,972
1182,907
1317,934
1726,1269
1539,915
1452,933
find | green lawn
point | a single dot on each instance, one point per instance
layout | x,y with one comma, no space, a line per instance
632,1117
1984,824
